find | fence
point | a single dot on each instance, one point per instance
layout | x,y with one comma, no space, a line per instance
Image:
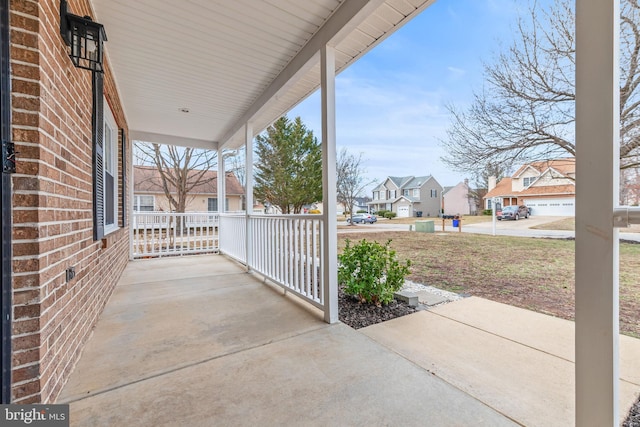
157,234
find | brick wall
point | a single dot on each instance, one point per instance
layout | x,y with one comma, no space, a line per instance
52,204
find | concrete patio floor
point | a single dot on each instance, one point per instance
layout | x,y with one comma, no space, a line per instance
196,341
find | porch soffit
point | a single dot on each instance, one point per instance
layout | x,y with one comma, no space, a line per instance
229,62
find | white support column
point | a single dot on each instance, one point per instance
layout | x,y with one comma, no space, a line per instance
597,177
329,196
248,191
220,197
221,182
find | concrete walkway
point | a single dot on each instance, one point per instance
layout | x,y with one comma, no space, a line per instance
519,362
195,341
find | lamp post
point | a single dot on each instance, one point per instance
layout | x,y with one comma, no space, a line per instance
493,213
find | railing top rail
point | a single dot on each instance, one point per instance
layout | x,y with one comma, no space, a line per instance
285,216
174,213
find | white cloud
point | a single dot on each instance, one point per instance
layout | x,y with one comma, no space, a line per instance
456,73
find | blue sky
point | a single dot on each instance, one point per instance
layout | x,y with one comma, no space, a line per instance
391,103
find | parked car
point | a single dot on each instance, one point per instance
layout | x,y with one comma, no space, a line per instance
363,218
513,212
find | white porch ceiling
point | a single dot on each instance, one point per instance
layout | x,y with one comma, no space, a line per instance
229,61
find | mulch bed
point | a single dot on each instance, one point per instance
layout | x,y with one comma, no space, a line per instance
357,315
633,419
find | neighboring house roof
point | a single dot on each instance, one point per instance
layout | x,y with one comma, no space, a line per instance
146,179
549,190
417,181
400,181
564,167
502,189
447,189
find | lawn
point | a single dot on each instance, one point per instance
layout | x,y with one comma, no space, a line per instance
536,274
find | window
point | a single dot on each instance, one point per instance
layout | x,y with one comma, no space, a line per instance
528,181
110,158
144,203
434,193
488,203
416,192
212,204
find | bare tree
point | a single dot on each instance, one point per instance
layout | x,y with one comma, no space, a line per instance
235,162
481,183
180,169
350,179
526,111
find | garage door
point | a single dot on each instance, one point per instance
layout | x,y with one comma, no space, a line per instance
403,211
552,207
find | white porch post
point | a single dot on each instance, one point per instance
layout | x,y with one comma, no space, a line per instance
221,182
329,197
248,191
597,173
220,197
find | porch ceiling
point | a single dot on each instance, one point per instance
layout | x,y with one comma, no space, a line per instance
229,62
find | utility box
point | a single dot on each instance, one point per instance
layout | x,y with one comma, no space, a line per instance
425,226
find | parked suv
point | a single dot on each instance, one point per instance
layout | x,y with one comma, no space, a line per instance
513,212
366,218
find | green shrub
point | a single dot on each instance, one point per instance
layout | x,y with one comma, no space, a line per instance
361,211
381,212
371,272
487,212
390,215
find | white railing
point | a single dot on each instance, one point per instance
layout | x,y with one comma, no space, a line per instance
155,234
287,249
233,232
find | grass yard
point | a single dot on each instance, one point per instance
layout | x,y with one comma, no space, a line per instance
536,274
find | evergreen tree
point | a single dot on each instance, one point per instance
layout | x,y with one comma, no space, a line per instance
289,166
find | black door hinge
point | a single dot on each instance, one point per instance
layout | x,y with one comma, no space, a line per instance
8,157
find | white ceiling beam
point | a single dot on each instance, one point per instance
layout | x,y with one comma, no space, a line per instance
348,16
159,138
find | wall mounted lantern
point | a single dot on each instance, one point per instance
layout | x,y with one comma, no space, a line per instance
84,37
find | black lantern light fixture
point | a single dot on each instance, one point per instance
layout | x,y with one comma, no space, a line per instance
84,37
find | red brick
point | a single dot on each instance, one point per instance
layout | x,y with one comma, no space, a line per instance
20,327
25,390
26,311
26,342
23,357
